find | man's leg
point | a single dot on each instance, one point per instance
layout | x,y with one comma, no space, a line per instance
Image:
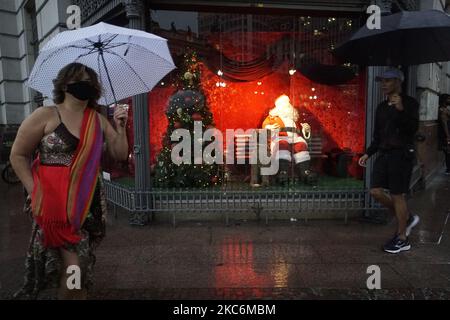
400,242
447,161
401,212
382,197
380,182
400,176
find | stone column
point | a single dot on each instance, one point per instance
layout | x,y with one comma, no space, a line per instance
136,16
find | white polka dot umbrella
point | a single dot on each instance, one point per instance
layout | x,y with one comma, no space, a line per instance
128,61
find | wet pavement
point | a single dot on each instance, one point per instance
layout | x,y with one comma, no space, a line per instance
321,259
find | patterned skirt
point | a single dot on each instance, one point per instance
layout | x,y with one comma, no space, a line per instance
44,266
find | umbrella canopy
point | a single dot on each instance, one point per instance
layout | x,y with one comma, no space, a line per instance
405,38
128,61
327,74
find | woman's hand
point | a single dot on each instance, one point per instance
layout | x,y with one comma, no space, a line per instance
120,115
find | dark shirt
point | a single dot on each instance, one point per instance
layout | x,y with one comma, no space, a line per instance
395,129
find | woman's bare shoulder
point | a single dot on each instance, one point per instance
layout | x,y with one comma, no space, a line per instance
40,117
43,112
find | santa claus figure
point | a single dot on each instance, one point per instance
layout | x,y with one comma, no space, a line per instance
288,143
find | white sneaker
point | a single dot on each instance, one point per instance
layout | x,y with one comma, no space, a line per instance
411,223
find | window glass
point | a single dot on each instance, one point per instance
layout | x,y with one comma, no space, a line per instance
242,73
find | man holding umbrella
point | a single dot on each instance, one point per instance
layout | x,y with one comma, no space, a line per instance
396,122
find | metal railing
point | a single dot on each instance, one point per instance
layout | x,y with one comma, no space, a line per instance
263,202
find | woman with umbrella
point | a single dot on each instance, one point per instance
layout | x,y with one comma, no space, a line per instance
67,200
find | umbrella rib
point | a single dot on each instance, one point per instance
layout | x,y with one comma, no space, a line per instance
99,68
144,48
55,52
130,67
109,78
86,54
105,42
108,41
99,39
132,44
115,45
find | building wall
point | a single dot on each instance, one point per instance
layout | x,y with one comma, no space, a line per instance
18,18
432,80
51,19
12,58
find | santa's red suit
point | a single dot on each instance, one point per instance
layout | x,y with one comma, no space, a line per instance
286,145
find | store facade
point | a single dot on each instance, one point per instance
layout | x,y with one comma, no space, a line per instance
234,62
242,63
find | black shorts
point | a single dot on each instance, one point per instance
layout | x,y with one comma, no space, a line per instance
392,170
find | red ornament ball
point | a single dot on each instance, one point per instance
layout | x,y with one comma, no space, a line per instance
177,124
197,116
214,179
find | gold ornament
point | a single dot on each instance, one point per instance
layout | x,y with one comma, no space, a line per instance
189,76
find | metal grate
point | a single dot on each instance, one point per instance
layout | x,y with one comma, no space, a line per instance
263,202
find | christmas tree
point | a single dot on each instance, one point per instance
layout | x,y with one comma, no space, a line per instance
187,106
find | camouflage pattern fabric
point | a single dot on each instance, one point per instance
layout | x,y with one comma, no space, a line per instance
43,266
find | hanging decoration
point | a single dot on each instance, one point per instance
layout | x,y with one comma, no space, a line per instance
242,71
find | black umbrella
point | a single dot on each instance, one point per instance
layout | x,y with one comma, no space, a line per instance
327,74
405,38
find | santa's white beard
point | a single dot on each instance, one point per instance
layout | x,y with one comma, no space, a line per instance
286,113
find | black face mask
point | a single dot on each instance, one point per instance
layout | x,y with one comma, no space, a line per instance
82,90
